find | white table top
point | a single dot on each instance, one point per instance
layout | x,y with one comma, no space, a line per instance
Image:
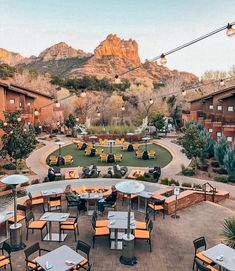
145,194
55,217
52,192
57,258
91,196
228,253
114,215
120,224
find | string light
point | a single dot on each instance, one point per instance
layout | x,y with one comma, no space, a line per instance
36,112
5,123
57,104
83,94
230,30
163,60
19,119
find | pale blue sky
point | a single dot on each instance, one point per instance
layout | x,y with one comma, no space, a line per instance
30,26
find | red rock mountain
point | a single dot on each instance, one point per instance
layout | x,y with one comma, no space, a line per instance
10,58
112,56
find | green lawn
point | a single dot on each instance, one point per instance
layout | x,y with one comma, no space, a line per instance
128,158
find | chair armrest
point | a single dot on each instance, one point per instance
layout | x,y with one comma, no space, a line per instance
29,261
43,249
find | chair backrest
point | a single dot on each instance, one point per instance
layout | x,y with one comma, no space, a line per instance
31,250
159,202
84,247
200,266
7,247
93,222
150,226
199,243
22,208
55,198
30,196
147,217
95,215
29,217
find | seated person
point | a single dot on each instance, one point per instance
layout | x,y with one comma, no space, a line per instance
108,201
72,196
51,174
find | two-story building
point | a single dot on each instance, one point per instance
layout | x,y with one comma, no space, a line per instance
36,107
216,112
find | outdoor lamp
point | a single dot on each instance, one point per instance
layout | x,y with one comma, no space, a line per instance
36,112
57,104
123,108
5,123
77,119
11,132
25,130
163,60
19,119
222,83
151,101
117,80
83,94
184,92
98,113
230,30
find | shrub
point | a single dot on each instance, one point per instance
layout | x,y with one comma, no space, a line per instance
221,179
203,167
220,170
24,184
231,179
188,172
146,179
220,149
164,181
36,181
215,164
21,193
173,182
229,232
10,166
229,161
45,180
185,184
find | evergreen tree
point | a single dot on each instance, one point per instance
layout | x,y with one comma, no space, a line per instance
220,149
159,122
229,161
70,122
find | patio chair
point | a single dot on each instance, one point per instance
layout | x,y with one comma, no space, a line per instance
145,234
53,161
139,154
99,223
87,151
35,201
68,159
103,157
54,203
5,259
71,203
143,225
136,146
151,154
117,157
32,224
120,170
201,267
80,145
99,151
157,206
125,146
85,249
99,232
20,215
199,247
70,225
30,256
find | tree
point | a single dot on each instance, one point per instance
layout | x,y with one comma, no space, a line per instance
6,71
229,161
159,122
209,144
18,142
193,143
220,149
70,122
229,232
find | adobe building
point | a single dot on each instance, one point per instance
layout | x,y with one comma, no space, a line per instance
216,112
14,97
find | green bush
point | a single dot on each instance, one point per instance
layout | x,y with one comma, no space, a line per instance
231,179
185,184
229,160
215,164
220,170
36,181
10,166
229,232
188,172
24,184
146,179
221,179
173,182
164,181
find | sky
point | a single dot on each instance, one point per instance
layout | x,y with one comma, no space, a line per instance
30,26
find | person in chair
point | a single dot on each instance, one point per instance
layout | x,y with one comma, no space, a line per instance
108,201
74,197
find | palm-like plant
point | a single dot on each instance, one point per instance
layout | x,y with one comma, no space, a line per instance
229,231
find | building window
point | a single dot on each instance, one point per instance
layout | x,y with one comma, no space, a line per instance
20,104
229,138
219,134
210,130
28,104
211,106
230,108
12,101
219,107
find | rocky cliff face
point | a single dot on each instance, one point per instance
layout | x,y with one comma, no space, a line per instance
112,56
10,58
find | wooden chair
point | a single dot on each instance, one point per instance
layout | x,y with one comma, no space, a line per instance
89,145
157,206
143,225
84,248
99,151
139,154
117,157
99,223
87,152
103,157
79,145
5,259
70,225
145,234
199,247
99,232
30,256
20,215
151,154
35,201
201,267
53,161
136,146
32,224
54,203
68,159
125,146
